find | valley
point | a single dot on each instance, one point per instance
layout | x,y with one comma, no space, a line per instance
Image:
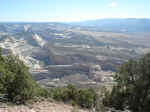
59,54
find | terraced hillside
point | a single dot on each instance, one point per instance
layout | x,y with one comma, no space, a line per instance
59,53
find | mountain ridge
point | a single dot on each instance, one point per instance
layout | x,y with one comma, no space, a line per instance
125,25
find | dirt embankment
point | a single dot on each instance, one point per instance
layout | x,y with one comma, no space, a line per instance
39,107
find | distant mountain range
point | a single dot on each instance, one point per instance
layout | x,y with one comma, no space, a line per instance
129,25
126,25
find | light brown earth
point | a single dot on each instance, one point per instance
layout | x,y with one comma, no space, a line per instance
39,107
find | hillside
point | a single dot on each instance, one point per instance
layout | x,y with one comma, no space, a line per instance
40,107
70,63
17,88
48,48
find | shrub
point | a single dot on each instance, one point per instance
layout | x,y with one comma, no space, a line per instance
133,86
85,98
15,80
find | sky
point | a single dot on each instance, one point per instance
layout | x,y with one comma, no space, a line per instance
71,10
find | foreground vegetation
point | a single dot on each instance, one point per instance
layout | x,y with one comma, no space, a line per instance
132,90
19,87
15,80
133,87
85,98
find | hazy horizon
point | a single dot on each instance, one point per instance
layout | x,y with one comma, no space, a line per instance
71,10
36,21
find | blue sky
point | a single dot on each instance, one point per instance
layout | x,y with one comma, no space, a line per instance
72,10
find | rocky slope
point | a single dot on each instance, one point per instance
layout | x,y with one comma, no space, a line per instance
50,50
39,107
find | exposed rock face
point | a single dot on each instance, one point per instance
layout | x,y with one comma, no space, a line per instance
39,40
94,71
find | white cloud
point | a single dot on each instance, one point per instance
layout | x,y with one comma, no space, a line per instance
112,4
